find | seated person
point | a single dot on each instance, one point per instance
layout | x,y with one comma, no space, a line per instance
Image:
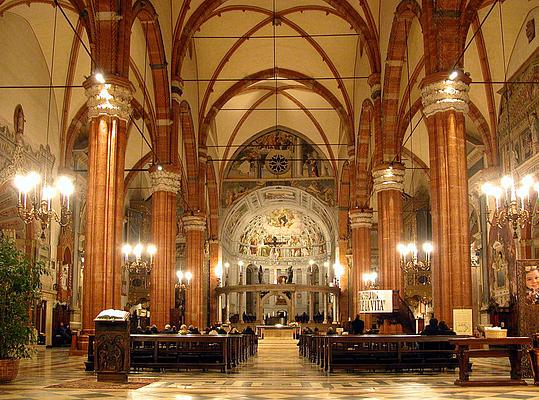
183,330
154,329
193,330
444,329
431,328
167,329
330,331
248,331
357,326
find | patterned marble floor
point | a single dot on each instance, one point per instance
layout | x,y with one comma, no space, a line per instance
276,373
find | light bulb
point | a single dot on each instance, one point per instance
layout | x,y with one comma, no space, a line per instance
402,249
311,262
65,186
137,251
33,178
23,184
127,249
188,276
453,75
427,247
99,77
507,182
179,274
487,188
227,265
240,263
151,249
412,248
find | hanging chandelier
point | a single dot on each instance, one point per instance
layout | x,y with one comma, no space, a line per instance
513,205
133,258
408,257
35,200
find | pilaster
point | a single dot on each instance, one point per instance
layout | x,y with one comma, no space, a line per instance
361,223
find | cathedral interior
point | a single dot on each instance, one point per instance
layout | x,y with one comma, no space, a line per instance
265,161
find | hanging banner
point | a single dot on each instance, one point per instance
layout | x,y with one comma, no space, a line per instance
376,301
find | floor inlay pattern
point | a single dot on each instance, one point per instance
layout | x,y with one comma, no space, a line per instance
277,373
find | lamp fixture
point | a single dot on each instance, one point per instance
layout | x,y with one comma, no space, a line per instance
133,257
35,194
408,257
512,204
188,276
370,280
338,271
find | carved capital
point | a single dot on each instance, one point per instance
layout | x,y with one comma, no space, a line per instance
389,178
445,95
360,218
164,181
194,222
111,99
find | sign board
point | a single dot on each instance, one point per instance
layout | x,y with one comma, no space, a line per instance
376,301
463,321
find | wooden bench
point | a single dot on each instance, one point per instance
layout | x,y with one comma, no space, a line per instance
375,352
204,352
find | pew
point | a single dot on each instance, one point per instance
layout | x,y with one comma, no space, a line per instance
204,352
376,352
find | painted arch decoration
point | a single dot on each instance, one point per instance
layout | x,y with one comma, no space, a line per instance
279,157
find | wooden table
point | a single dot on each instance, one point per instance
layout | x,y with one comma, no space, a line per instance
511,347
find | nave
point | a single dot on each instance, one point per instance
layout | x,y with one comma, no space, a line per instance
277,372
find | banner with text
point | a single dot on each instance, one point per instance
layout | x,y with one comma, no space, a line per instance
376,301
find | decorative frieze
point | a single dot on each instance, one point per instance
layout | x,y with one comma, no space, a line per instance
194,222
165,181
390,178
109,99
360,218
445,95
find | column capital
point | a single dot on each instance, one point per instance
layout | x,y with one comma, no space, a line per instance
112,98
177,89
389,177
165,181
194,222
374,83
360,218
439,93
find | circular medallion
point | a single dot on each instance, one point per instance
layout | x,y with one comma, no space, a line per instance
277,162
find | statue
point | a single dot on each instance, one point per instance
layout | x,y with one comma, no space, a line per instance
260,274
290,275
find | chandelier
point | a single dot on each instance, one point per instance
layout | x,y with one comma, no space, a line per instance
188,276
133,261
35,200
513,205
408,257
370,280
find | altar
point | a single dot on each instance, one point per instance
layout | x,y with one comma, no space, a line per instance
277,331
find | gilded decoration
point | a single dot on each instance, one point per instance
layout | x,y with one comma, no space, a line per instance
279,158
518,127
501,256
282,233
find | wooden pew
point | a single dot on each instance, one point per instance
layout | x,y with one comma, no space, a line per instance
374,352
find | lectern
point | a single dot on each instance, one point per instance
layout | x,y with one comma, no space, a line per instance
111,346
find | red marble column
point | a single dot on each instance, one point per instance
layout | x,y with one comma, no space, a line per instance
361,223
451,269
389,184
105,201
165,185
195,226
